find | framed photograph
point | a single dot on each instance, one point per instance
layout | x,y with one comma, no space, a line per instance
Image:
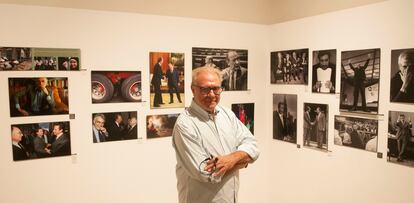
40,140
232,63
285,117
245,113
360,72
114,126
324,71
160,125
167,80
359,133
116,86
15,58
401,138
289,67
315,126
402,71
38,96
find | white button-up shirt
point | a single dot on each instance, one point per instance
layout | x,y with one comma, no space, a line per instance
197,136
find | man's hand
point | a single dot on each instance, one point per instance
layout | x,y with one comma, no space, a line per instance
223,164
406,77
44,89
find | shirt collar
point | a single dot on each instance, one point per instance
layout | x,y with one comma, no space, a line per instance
194,107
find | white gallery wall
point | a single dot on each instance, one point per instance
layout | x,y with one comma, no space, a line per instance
144,170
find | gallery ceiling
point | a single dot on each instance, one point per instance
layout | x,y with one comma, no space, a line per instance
246,11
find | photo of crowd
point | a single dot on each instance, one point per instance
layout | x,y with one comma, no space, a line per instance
360,72
289,67
402,72
245,113
45,63
285,117
360,133
114,126
232,63
16,59
324,71
40,140
160,125
166,80
38,96
401,138
315,126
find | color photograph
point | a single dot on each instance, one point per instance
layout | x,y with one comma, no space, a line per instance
400,138
38,96
59,59
159,126
166,80
114,126
402,71
245,113
289,67
15,58
324,71
285,117
315,126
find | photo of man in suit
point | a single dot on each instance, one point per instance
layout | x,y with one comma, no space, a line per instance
402,83
99,132
115,128
158,75
40,143
234,76
321,126
173,81
61,146
359,83
279,122
131,130
403,135
307,126
19,152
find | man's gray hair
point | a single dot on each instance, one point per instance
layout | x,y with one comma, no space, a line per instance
203,69
98,115
409,56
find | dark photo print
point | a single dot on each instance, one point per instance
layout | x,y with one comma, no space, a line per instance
245,113
400,138
40,140
116,86
360,72
402,72
15,58
232,63
285,117
160,125
360,133
38,96
324,71
289,67
114,126
315,126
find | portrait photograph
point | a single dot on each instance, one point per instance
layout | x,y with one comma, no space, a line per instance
15,58
114,126
359,133
285,117
289,67
360,72
315,126
38,96
116,86
59,59
400,138
166,80
245,113
40,140
324,71
232,63
402,71
159,126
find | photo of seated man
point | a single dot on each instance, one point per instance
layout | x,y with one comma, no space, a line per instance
38,96
114,126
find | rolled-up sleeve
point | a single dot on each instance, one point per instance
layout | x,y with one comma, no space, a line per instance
190,152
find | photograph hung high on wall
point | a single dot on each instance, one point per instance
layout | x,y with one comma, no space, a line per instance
159,126
24,59
315,126
245,113
400,138
38,96
232,63
166,80
324,71
359,133
116,86
40,140
402,72
114,126
285,117
360,73
289,67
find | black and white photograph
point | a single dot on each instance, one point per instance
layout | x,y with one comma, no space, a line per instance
15,58
360,72
285,117
232,63
402,71
114,126
289,67
116,86
45,63
166,80
359,133
315,126
245,113
38,96
324,71
159,126
40,140
400,138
